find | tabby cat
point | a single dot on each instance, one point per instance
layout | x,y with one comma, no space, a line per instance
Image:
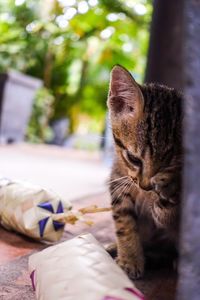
145,182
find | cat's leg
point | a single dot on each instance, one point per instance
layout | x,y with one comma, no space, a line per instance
129,249
165,210
112,250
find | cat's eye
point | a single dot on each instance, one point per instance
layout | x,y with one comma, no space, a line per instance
134,160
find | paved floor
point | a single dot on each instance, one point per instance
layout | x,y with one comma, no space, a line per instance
72,174
15,249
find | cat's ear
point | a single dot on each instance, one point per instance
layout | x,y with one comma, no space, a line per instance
125,95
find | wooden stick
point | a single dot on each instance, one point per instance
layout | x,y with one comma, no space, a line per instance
72,217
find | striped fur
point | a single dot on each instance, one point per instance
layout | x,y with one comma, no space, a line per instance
145,183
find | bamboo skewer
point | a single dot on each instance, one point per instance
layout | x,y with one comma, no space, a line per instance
72,217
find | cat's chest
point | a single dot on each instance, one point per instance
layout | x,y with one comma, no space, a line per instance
149,232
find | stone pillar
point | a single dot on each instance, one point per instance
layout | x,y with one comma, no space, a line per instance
189,268
164,63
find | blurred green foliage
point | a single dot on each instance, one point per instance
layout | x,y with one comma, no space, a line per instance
72,45
39,129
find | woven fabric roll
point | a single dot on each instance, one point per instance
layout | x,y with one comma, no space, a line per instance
79,269
30,209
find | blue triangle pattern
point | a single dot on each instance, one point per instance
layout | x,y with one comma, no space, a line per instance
60,208
47,206
58,225
42,224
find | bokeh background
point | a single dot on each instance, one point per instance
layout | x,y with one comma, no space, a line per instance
71,45
62,52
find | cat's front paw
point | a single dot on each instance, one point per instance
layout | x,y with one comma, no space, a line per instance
112,250
133,268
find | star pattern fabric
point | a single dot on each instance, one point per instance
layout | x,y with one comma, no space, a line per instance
30,209
43,222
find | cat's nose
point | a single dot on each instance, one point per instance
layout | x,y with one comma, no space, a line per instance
145,184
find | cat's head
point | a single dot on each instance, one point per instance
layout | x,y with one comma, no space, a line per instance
146,124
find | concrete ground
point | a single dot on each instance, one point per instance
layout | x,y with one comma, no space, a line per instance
15,250
72,174
76,176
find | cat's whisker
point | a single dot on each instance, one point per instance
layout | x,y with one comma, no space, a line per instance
122,192
121,187
133,183
121,181
118,186
128,187
124,188
117,179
